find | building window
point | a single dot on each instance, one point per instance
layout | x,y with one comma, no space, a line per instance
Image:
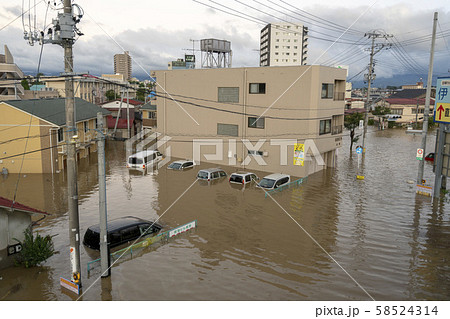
257,88
86,126
325,127
227,129
255,122
252,152
327,90
228,94
60,135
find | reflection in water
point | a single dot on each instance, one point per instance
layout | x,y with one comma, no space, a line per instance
394,243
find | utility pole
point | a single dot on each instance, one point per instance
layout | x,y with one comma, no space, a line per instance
370,77
63,33
71,137
104,247
427,101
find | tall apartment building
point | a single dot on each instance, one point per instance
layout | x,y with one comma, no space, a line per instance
122,64
283,44
246,117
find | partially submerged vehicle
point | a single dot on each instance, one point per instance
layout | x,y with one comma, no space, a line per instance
243,178
181,165
121,231
144,159
273,181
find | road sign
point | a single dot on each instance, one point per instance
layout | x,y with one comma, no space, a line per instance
70,285
419,154
359,150
182,229
442,106
361,124
424,190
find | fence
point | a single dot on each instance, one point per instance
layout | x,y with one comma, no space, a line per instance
164,236
283,187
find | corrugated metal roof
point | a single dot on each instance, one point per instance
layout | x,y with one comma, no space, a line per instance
54,110
8,204
149,107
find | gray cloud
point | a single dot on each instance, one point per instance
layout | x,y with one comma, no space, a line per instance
153,48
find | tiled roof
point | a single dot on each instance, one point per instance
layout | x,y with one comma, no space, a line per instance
54,110
409,94
412,102
8,204
149,107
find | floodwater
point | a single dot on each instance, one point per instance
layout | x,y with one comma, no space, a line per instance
332,238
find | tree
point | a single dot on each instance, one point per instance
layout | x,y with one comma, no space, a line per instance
380,111
25,84
351,122
111,95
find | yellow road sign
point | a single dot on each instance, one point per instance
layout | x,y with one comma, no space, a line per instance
442,113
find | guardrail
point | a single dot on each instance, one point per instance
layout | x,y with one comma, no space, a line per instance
164,236
283,187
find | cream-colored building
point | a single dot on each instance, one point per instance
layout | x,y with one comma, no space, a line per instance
33,135
89,88
122,65
255,114
283,44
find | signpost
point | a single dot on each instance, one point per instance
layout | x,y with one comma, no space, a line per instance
442,116
73,287
181,229
419,154
299,154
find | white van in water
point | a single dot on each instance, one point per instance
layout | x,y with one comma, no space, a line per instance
143,159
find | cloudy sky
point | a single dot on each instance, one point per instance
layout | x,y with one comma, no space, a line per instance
156,32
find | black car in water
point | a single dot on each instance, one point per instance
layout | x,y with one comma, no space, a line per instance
121,231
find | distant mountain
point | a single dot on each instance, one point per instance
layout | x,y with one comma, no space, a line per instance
396,80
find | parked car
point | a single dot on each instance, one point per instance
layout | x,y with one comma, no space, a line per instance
273,181
143,159
210,174
121,231
430,157
243,178
181,165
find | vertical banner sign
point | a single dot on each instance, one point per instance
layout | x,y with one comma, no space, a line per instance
361,124
72,259
299,154
419,154
442,107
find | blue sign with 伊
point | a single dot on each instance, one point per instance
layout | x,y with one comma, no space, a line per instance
359,150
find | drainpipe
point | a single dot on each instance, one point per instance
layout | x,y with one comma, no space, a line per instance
51,148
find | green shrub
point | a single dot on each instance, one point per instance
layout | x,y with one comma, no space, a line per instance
371,122
35,249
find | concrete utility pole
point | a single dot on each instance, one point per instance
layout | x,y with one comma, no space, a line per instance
63,34
427,101
104,247
374,50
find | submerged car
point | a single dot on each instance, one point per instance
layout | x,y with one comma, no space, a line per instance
273,181
181,165
243,178
210,174
121,231
430,157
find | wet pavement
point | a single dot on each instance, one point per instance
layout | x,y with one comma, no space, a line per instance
331,238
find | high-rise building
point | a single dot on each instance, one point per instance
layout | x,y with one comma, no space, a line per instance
283,44
122,64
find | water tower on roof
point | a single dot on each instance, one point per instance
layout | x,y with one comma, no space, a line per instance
215,53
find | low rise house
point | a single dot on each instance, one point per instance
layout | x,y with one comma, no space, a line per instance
33,138
14,219
125,117
149,116
254,118
410,105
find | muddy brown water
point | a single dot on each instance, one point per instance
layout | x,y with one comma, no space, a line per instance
393,243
